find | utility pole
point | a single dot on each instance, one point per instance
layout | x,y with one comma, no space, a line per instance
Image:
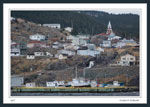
105,78
127,79
76,72
84,72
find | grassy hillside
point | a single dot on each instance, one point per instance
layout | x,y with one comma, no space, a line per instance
21,29
91,22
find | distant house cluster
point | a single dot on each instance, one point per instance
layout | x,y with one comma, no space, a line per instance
73,45
63,48
18,81
114,40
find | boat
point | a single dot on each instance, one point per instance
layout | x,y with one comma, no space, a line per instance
80,82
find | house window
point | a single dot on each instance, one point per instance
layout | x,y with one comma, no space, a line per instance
124,58
131,58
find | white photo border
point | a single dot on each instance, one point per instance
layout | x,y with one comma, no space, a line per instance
7,98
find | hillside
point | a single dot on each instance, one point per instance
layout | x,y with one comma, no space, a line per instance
22,29
89,22
45,68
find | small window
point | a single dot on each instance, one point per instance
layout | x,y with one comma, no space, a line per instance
131,58
124,58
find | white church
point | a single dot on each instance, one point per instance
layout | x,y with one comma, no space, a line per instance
111,34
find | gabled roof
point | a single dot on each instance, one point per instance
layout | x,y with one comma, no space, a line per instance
102,34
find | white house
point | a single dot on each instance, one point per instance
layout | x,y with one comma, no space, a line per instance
39,54
56,45
32,84
37,37
91,46
127,60
57,26
88,52
52,84
106,44
70,47
30,56
42,53
120,44
61,83
55,83
15,52
68,52
70,37
129,42
112,36
78,39
100,49
69,29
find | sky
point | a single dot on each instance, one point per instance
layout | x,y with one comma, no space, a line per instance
122,11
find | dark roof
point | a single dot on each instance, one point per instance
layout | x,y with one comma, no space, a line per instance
102,34
65,54
83,48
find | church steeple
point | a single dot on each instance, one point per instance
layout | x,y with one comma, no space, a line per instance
109,29
109,25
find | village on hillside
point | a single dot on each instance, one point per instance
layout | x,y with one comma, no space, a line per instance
50,56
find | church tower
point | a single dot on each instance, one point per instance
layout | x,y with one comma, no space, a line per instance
109,29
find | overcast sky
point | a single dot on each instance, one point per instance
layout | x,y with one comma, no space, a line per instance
122,11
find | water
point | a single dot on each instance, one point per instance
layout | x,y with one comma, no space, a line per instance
77,94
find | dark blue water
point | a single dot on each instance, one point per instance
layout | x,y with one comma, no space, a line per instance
77,94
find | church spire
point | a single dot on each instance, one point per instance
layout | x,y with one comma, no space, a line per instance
109,25
109,29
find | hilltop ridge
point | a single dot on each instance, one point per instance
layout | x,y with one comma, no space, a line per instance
87,22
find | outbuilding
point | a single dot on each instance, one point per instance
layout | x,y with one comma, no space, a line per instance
17,81
37,37
32,84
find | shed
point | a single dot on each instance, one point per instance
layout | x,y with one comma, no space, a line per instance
32,84
17,80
